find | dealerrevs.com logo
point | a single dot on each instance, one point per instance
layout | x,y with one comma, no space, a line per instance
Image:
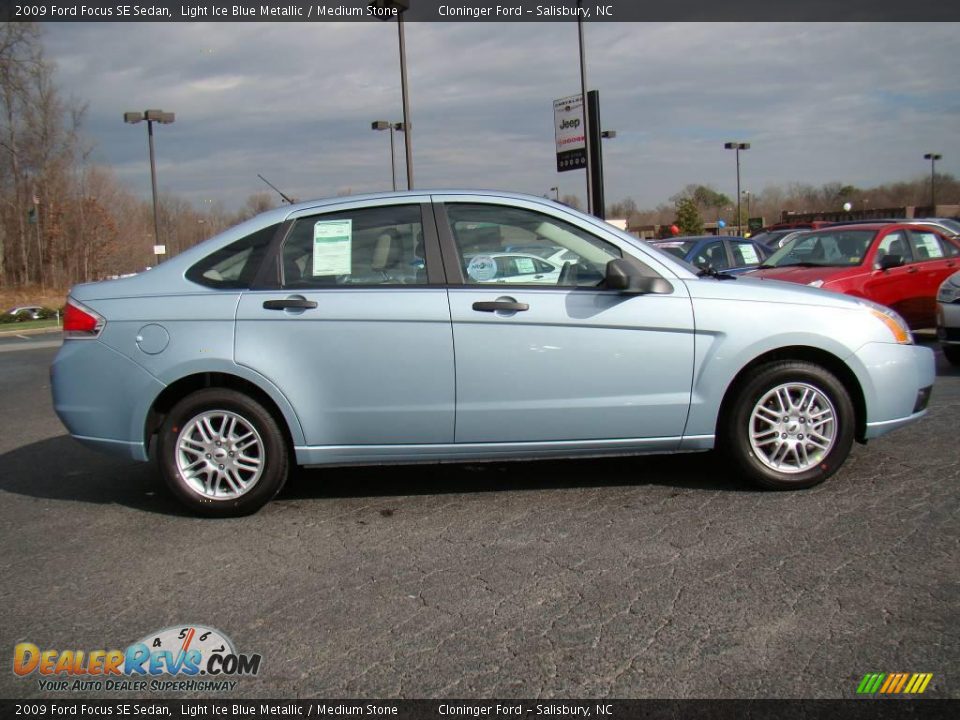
176,659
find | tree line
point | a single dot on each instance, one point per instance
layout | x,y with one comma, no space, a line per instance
63,219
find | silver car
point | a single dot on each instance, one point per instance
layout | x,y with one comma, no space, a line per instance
354,331
948,318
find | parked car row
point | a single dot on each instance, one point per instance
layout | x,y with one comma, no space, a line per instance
900,265
373,329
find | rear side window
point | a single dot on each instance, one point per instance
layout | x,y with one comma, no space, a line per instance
366,246
235,265
746,254
925,246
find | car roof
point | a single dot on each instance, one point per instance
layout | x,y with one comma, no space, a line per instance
880,225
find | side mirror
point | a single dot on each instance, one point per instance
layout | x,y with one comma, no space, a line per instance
624,276
890,261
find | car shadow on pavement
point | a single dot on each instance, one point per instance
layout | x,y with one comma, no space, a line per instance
61,469
699,471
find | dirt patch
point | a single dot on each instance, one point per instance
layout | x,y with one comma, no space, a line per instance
31,295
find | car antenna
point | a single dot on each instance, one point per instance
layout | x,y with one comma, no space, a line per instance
288,199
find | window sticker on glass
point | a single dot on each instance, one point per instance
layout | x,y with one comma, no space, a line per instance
525,266
749,254
332,240
482,268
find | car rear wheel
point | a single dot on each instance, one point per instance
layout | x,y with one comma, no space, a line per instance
791,425
222,453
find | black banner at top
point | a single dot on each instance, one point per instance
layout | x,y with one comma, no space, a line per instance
478,10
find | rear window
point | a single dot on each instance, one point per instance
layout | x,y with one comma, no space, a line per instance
235,265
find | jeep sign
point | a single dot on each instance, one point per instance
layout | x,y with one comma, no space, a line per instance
568,125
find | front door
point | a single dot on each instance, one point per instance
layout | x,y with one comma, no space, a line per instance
559,358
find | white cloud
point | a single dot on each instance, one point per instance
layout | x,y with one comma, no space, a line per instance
819,102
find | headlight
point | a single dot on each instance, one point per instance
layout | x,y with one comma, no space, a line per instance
815,283
895,324
949,291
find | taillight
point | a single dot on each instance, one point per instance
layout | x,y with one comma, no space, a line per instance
80,321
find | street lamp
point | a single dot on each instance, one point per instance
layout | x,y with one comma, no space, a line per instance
400,6
391,126
933,157
164,118
746,194
738,146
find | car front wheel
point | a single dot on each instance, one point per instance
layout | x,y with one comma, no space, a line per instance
791,425
222,453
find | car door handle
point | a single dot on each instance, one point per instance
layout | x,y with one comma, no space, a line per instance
289,304
500,306
912,269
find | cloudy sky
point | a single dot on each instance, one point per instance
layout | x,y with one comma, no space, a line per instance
856,103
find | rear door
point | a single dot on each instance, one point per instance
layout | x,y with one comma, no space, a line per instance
354,328
935,260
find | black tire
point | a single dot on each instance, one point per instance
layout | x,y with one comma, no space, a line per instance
270,455
951,353
738,423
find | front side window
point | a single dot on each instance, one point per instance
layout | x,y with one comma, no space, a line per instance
711,255
367,246
235,265
895,243
566,255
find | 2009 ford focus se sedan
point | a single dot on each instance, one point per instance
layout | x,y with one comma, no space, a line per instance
375,329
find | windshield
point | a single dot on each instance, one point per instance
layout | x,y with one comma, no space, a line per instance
825,248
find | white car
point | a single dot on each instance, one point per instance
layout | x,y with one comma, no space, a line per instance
26,312
948,318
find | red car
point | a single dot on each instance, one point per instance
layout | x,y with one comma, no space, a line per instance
900,265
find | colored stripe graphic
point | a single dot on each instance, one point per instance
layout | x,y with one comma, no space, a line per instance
870,683
894,683
890,682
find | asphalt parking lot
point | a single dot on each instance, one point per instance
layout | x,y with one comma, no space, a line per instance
621,578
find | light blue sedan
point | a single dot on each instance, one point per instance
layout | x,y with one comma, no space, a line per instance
363,331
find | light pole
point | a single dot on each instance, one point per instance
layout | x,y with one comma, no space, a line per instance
933,157
391,126
586,112
738,146
400,6
746,194
164,118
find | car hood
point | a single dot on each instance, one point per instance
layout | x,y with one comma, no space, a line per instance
749,288
798,274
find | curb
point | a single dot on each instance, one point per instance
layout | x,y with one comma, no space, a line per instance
30,331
